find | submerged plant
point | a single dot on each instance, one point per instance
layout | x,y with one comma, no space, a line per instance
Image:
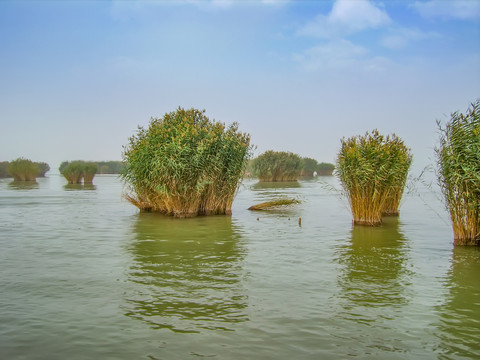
458,159
23,170
372,170
185,165
277,166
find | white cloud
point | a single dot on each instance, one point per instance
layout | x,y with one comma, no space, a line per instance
346,17
334,54
402,37
342,56
443,9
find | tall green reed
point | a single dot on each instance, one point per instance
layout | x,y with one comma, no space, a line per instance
458,160
373,170
185,165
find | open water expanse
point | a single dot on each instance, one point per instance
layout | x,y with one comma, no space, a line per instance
83,275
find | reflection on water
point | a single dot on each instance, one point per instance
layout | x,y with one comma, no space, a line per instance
460,314
76,187
372,280
186,273
23,185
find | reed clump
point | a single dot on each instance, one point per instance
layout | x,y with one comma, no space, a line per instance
23,170
78,170
275,166
185,165
373,170
89,171
458,160
325,169
43,168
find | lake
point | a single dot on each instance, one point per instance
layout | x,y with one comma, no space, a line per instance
84,275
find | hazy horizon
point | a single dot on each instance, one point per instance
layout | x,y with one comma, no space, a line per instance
79,77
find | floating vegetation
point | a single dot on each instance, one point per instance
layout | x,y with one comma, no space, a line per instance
458,159
185,165
23,170
277,166
373,170
274,204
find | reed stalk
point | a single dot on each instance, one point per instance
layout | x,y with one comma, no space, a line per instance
185,165
458,160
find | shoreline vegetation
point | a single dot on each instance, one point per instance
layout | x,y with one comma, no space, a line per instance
185,165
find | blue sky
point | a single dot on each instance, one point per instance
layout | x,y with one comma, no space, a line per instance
78,77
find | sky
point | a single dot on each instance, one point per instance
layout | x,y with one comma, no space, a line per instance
77,78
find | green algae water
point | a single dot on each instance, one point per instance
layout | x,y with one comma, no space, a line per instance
83,275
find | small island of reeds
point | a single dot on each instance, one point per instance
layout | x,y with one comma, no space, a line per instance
185,165
272,166
78,170
23,170
311,167
373,171
458,158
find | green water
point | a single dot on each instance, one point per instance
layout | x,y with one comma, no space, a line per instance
83,275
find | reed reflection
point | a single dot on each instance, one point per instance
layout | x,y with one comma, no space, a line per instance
459,327
187,273
374,271
23,185
79,187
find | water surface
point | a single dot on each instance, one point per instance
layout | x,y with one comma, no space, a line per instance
85,276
